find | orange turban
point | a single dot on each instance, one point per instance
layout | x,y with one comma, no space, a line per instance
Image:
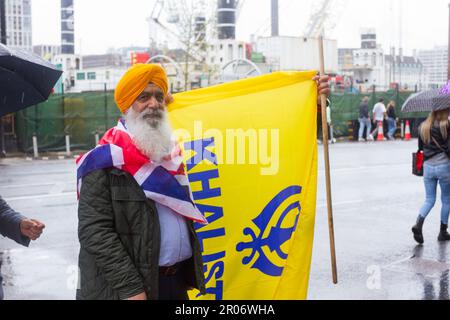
135,80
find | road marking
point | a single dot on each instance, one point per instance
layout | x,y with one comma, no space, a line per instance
15,251
342,203
27,185
43,196
42,257
63,194
55,184
367,167
34,173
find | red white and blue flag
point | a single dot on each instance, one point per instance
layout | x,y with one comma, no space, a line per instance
165,182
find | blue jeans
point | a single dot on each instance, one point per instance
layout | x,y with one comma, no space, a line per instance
364,123
392,127
431,176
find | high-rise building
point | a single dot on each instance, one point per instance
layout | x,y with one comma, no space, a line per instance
226,19
368,39
47,51
67,27
18,24
435,62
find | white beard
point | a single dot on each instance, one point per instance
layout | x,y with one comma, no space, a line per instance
153,136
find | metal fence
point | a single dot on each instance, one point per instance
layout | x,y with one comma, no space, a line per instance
345,108
80,116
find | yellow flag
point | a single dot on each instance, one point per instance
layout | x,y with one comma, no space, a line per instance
251,156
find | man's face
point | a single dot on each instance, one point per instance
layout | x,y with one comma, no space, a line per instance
150,105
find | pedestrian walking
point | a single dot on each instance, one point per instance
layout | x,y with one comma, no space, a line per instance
392,120
379,114
18,228
364,121
434,141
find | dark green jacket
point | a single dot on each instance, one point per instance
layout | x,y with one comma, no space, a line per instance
119,237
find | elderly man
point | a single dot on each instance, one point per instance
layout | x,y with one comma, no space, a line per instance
135,211
18,228
136,214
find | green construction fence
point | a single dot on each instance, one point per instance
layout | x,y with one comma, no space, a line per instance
82,115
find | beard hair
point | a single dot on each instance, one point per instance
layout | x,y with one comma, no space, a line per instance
151,132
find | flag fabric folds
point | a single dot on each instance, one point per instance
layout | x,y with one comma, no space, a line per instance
250,149
165,182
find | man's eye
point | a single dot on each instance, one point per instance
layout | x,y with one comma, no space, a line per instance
160,97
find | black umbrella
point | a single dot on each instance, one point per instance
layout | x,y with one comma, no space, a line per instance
430,100
25,79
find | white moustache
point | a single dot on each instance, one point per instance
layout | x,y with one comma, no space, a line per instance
155,141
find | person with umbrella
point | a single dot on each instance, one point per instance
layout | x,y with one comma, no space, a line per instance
18,228
25,80
434,141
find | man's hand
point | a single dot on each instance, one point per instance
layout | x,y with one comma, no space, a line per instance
323,87
141,296
31,228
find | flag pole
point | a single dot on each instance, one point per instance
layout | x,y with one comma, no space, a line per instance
323,101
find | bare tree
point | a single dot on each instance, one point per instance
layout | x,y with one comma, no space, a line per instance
190,21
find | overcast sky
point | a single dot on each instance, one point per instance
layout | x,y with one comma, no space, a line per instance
101,24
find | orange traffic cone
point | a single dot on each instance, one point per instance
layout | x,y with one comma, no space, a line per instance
407,131
380,131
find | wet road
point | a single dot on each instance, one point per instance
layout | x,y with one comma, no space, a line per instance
43,190
376,201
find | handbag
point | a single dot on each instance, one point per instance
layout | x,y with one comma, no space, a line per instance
417,163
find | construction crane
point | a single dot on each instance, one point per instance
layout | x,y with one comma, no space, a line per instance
170,18
239,6
325,15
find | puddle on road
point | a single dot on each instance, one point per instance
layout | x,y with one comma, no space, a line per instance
6,268
420,266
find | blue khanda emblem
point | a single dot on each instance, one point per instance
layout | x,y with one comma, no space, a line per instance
277,235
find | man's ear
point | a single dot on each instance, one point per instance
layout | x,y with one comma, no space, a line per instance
168,99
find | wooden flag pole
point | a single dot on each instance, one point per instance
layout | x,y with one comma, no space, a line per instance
323,100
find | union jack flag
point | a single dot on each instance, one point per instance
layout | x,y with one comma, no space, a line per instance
165,182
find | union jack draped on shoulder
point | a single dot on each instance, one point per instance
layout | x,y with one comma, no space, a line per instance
165,182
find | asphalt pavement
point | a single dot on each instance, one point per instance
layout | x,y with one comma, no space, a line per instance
375,199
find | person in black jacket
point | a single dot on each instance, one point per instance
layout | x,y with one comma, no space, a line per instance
364,120
18,228
392,120
434,141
